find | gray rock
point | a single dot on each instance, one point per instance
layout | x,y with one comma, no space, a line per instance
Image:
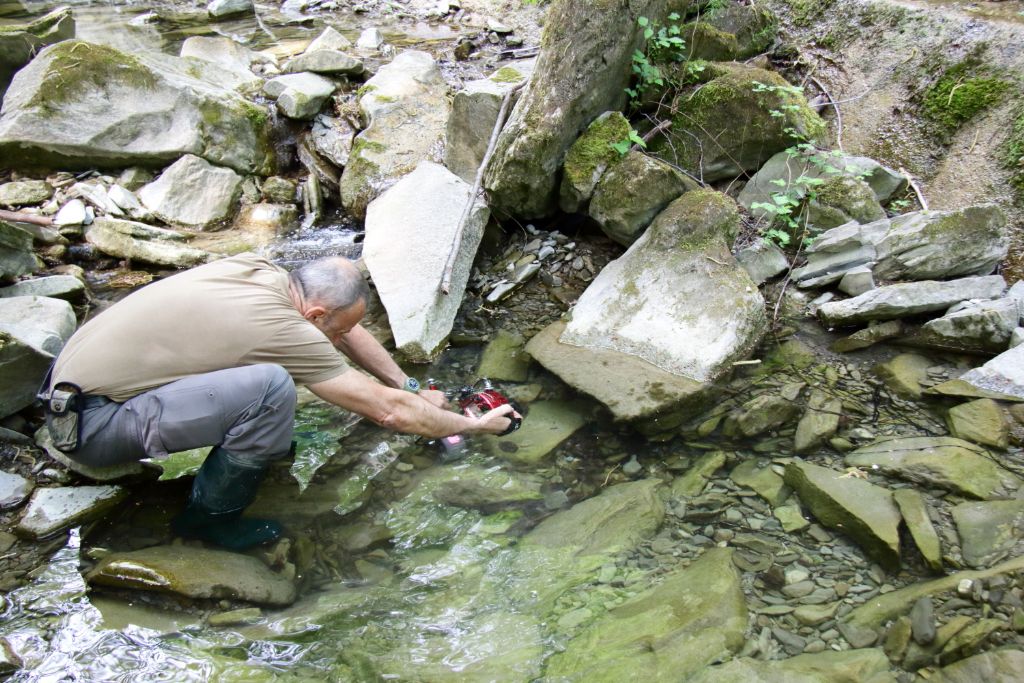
410,231
938,462
841,199
324,61
922,621
406,109
762,414
227,8
973,326
759,476
65,287
332,138
762,260
330,39
861,510
133,178
194,573
25,193
72,213
1017,337
693,617
128,203
140,242
632,193
819,422
694,480
581,72
990,531
997,666
304,96
895,301
19,43
550,423
869,336
475,109
145,108
370,39
267,220
589,157
1003,375
16,256
51,510
981,421
919,523
192,192
32,332
1017,294
851,666
279,190
673,312
14,489
275,87
904,374
230,57
856,281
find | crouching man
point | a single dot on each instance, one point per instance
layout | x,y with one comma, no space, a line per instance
210,357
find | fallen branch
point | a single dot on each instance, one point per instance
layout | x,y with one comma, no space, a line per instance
917,190
657,130
19,217
835,106
449,265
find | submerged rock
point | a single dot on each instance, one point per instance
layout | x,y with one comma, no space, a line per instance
194,573
990,531
405,108
758,475
915,514
910,298
997,666
505,358
145,243
853,666
694,617
81,105
547,424
33,330
192,192
410,232
53,509
981,421
819,422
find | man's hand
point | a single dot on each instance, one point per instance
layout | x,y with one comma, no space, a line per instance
435,398
494,421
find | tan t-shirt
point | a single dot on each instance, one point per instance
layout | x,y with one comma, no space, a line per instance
225,314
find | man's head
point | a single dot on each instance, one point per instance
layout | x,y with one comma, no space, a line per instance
330,293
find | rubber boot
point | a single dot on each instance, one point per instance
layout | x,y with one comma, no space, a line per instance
220,492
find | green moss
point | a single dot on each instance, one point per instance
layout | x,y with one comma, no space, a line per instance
1013,155
365,89
386,99
960,93
593,148
75,66
704,41
804,12
506,74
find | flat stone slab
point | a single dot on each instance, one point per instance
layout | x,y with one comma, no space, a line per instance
990,531
67,287
145,243
14,489
915,514
547,424
1003,375
821,667
53,509
910,298
759,476
858,508
195,573
100,474
996,666
941,462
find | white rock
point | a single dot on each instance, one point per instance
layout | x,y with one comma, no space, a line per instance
1017,338
370,39
14,489
762,260
1003,374
230,57
276,86
856,281
226,8
72,213
324,62
910,298
192,192
330,39
128,202
53,509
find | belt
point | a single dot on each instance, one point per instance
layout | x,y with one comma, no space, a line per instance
87,401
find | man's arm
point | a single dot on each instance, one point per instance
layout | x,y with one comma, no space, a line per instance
366,352
402,411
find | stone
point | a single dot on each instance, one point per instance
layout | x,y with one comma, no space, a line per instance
144,243
33,330
632,193
589,157
582,71
233,59
82,105
193,193
410,232
24,193
705,42
1001,377
406,108
841,199
324,61
918,656
134,178
856,281
329,39
1016,337
228,8
332,138
14,489
762,414
905,299
693,617
487,489
813,615
819,423
235,617
702,140
548,424
851,666
861,510
505,358
278,190
16,256
869,336
938,462
996,666
791,518
20,42
922,621
370,39
195,573
981,421
762,260
904,374
52,509
72,213
758,475
475,110
96,473
665,319
753,27
973,326
692,483
67,287
271,220
969,640
915,514
990,531
897,638
303,94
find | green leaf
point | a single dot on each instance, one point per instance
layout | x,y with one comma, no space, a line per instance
648,33
778,181
643,21
622,147
674,16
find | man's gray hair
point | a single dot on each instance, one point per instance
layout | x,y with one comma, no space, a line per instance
334,283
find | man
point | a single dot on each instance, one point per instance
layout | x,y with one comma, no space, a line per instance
210,357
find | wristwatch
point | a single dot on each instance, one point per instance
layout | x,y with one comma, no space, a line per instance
412,384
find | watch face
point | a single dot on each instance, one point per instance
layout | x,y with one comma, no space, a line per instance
412,384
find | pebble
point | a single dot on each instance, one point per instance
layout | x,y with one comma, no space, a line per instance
632,466
799,590
404,466
815,646
796,575
791,642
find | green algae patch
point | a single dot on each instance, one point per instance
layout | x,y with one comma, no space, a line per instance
507,74
589,157
1013,155
76,65
961,92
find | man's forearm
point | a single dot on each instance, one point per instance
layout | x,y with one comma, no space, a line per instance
366,352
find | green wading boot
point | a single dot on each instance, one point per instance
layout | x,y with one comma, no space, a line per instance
220,492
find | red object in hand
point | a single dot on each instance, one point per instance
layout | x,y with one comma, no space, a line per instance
482,397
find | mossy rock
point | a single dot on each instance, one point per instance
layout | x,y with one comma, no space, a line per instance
735,122
754,26
842,199
588,159
704,41
960,93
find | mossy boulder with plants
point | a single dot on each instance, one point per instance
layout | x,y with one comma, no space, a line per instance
19,42
82,105
841,199
735,122
753,26
589,157
704,41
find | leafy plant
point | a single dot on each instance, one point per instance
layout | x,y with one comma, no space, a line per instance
623,146
663,44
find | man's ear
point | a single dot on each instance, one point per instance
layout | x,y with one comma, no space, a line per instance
313,312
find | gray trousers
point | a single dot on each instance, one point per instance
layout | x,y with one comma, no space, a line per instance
248,411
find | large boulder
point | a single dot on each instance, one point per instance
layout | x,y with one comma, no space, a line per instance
475,110
81,105
666,319
910,298
589,157
972,326
193,192
582,71
632,192
141,242
695,616
703,137
20,42
232,59
16,256
33,330
752,26
842,199
410,231
405,108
